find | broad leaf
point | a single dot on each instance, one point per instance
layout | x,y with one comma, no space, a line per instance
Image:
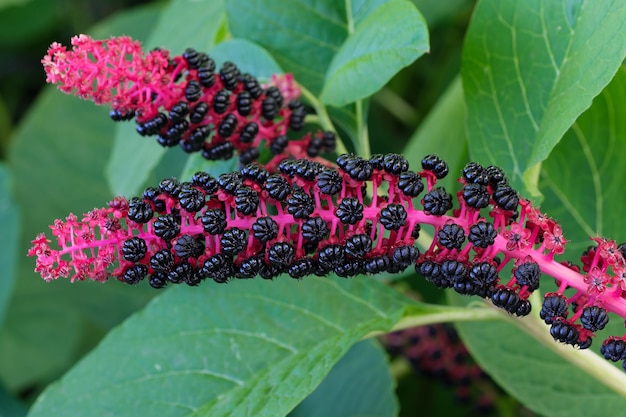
384,40
530,68
58,155
582,182
10,234
251,347
360,384
198,25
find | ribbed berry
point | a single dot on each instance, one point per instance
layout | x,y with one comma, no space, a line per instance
451,236
229,74
594,318
135,273
358,245
264,229
393,217
614,349
139,211
554,306
301,268
395,163
506,299
528,274
277,187
314,229
188,246
482,274
134,249
217,267
162,260
475,195
331,256
281,253
300,205
329,181
410,184
564,332
233,241
166,227
482,234
437,202
349,211
506,197
246,201
191,199
435,165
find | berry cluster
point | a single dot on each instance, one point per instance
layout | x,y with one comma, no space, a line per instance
182,100
436,351
312,219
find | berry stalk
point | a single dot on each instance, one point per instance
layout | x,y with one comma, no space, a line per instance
312,219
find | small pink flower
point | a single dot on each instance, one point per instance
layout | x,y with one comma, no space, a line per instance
597,281
554,241
517,237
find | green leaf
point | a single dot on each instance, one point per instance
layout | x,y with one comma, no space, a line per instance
197,25
540,378
529,70
248,56
385,40
251,347
442,133
9,233
9,406
360,384
58,155
583,179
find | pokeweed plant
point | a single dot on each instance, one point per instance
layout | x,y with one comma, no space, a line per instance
533,136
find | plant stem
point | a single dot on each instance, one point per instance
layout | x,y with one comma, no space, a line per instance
322,117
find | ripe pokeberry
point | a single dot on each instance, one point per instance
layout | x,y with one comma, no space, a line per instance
358,245
300,268
288,167
314,148
244,103
246,201
297,116
191,57
405,255
306,170
613,349
554,306
594,318
230,182
248,132
199,112
410,183
273,92
227,126
166,226
356,167
181,272
524,308
250,267
251,85
162,260
277,187
451,236
269,108
179,111
349,268
249,155
564,332
218,150
482,274
264,229
437,202
206,75
233,241
229,74
255,172
193,91
314,229
279,144
453,270
482,234
221,101
475,195
214,221
299,204
139,211
158,279
205,181
435,165
528,274
135,273
394,163
191,199
349,211
506,299
134,249
329,181
170,186
188,246
217,267
393,217
495,176
281,254
331,256
377,264
431,271
506,197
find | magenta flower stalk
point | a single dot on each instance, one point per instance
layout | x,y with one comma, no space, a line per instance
311,219
182,100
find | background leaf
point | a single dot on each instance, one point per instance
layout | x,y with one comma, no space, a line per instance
198,25
360,384
582,182
381,42
251,347
529,69
58,156
10,220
